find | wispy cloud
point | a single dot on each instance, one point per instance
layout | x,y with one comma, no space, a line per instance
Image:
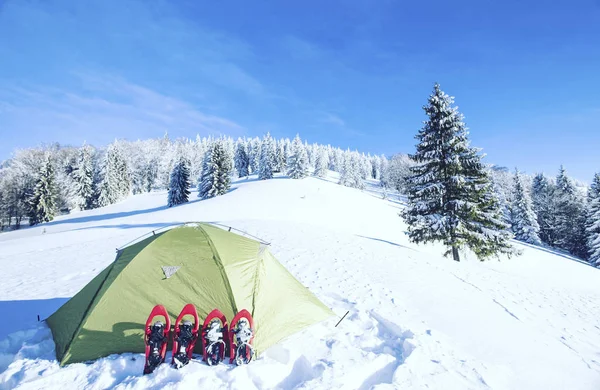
108,105
300,49
332,119
328,118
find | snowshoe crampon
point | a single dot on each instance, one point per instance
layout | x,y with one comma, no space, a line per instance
156,336
185,336
241,337
244,353
214,332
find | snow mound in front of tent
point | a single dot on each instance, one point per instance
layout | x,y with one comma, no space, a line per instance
415,320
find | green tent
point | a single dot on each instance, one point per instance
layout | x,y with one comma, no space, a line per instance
194,263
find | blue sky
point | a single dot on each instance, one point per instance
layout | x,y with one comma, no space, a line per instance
350,73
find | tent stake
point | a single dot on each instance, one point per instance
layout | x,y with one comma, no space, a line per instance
342,319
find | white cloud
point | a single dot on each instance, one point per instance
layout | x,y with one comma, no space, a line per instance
333,119
108,106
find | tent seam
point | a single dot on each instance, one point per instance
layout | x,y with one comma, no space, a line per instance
87,310
259,260
221,267
112,266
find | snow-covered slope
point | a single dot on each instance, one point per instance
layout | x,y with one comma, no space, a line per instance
416,320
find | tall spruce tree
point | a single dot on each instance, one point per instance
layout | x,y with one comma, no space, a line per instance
525,225
280,157
569,208
267,161
321,162
298,160
450,193
593,221
116,181
43,202
542,198
180,183
241,159
254,154
84,178
216,171
347,170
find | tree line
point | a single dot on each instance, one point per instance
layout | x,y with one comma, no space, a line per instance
37,184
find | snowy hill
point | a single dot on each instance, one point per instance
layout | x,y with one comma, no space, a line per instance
416,320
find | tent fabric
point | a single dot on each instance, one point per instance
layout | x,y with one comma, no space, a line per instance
216,269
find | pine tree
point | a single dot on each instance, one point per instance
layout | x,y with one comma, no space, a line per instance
310,154
321,162
84,178
376,167
166,160
346,170
254,153
351,173
43,202
116,183
281,157
180,183
570,216
216,171
593,221
542,196
383,170
450,193
525,224
298,160
241,159
267,161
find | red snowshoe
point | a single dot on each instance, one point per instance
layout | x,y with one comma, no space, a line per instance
241,337
214,331
185,336
156,336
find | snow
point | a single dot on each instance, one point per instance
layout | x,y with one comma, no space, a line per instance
416,320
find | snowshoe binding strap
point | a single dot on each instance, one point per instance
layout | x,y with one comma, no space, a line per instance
184,339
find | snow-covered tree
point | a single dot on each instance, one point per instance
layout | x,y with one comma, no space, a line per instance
115,184
364,166
321,162
335,159
542,198
311,153
376,167
43,201
397,172
298,160
281,157
346,168
383,167
216,171
84,178
180,183
450,197
593,221
166,160
267,161
254,154
241,159
351,174
568,204
525,225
